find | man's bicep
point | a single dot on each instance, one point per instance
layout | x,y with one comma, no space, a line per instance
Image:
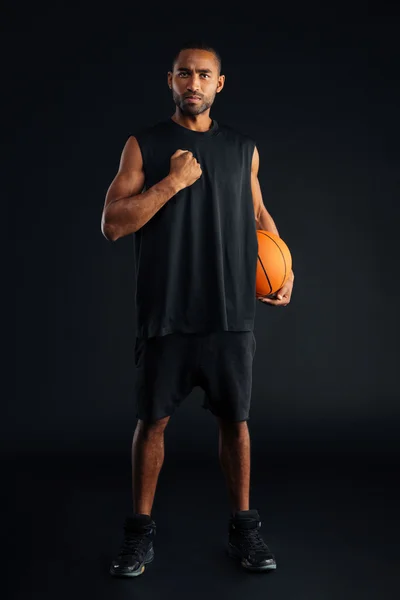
130,179
258,203
255,185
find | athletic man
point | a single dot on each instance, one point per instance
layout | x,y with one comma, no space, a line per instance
188,188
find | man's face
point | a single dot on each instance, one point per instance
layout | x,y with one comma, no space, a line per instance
195,74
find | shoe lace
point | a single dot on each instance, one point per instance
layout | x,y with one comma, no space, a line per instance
133,542
255,541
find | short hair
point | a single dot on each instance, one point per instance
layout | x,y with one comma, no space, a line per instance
198,45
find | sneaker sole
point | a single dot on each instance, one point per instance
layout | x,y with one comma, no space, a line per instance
233,553
148,559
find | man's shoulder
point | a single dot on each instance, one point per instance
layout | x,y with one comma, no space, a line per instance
231,132
149,129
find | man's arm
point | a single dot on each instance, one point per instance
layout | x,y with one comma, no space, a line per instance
126,209
263,219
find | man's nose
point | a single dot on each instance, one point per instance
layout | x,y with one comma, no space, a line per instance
193,84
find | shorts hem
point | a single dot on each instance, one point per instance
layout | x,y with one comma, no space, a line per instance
228,419
150,419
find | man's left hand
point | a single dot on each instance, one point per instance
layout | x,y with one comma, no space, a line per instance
281,297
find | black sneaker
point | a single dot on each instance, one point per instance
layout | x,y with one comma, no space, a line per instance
245,542
137,548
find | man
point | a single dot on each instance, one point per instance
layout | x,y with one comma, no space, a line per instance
188,188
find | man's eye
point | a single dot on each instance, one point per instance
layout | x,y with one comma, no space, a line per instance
184,74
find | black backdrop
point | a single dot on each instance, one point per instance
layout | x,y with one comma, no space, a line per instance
320,97
320,106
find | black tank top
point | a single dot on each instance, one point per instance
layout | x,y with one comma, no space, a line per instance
196,257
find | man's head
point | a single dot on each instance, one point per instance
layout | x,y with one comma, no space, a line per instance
196,71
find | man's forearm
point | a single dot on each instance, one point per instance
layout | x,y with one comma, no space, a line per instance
266,223
127,215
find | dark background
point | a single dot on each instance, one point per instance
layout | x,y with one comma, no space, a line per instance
319,93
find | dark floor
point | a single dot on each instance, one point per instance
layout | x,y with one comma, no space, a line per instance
332,524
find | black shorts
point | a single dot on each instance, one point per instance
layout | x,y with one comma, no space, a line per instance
168,368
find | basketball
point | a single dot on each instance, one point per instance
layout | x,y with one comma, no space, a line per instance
274,263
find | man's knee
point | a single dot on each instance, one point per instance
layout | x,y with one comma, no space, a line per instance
235,428
149,428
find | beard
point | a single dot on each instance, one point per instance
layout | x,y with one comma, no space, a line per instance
192,109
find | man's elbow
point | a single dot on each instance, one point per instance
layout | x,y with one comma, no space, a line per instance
109,231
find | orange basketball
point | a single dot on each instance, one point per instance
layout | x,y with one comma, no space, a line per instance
274,263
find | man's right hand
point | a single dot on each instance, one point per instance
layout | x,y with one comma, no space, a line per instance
184,168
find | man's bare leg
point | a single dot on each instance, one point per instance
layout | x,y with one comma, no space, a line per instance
147,460
234,456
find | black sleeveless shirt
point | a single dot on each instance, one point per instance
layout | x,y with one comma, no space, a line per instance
196,257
